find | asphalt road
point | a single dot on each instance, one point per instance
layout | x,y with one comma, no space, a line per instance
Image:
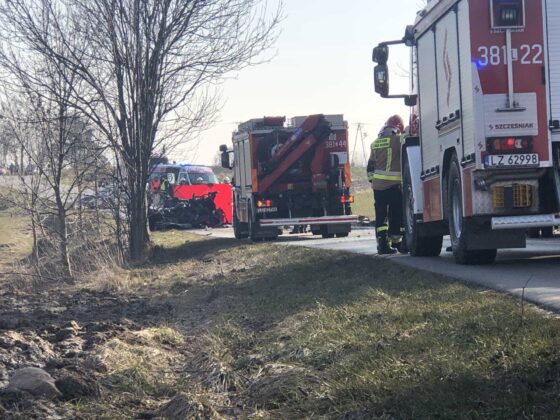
537,267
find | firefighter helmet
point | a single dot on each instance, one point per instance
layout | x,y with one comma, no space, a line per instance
395,122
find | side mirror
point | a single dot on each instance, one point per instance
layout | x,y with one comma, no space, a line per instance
381,80
380,54
411,100
223,148
225,160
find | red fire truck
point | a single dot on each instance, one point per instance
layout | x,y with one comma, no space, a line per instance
480,162
295,175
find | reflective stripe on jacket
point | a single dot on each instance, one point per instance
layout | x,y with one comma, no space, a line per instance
385,160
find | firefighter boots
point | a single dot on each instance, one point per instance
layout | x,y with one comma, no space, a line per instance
383,247
399,243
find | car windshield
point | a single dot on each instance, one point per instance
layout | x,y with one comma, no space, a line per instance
197,175
157,173
202,178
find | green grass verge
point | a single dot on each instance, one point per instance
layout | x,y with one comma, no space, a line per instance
15,236
359,175
363,204
362,192
305,333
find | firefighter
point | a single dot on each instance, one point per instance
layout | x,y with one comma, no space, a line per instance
166,187
384,173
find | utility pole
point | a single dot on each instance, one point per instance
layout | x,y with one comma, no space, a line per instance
361,135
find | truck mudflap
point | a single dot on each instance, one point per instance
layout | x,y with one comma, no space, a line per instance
525,222
323,220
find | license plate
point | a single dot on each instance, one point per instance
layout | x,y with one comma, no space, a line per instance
529,159
267,210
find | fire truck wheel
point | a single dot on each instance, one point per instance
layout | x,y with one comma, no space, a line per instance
253,229
240,230
457,223
325,233
418,246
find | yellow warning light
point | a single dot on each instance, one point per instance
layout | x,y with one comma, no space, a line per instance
498,197
522,195
516,196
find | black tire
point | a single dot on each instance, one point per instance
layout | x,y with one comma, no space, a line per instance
534,233
457,223
152,224
342,235
253,228
240,230
325,233
417,245
547,232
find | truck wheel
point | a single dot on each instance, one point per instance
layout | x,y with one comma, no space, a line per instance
253,229
325,233
342,235
152,224
418,246
457,223
240,230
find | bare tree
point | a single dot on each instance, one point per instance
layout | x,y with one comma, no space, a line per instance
150,66
50,132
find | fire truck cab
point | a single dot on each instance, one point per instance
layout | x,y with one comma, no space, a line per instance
480,160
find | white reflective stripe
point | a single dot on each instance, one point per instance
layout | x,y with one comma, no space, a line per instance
323,220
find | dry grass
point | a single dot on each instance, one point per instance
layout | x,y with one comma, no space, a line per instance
303,333
243,330
15,237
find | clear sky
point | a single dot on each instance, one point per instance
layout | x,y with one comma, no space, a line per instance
322,65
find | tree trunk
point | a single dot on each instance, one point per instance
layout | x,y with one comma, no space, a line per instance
21,168
62,230
35,251
138,233
139,238
64,246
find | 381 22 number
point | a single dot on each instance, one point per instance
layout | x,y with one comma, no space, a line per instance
496,55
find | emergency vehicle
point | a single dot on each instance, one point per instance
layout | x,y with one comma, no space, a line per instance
480,162
290,175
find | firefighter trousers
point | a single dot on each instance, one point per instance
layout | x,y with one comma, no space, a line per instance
389,212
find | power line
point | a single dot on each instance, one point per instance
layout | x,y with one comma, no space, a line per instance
361,136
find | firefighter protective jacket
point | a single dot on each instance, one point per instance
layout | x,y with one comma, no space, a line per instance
384,165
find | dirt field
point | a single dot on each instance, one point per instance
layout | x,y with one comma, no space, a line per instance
216,328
